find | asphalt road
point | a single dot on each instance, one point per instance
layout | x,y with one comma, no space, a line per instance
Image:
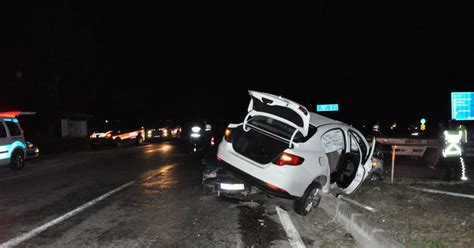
149,196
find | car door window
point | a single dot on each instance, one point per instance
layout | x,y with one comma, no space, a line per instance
333,143
354,146
13,128
351,172
347,170
357,140
3,132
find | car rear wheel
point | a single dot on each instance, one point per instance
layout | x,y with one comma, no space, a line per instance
139,141
17,161
310,199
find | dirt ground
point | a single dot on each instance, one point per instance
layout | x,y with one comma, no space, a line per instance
418,219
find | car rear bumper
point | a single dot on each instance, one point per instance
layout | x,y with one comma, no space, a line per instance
268,188
32,153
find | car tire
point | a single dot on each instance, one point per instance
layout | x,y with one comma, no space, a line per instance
207,190
17,160
139,141
309,200
118,143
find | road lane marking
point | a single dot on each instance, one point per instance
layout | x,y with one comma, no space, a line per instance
371,209
35,232
291,232
442,192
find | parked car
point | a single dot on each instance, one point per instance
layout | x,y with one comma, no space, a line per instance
117,138
12,141
163,130
376,173
32,151
285,150
168,133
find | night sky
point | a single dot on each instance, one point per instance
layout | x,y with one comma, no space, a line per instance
187,59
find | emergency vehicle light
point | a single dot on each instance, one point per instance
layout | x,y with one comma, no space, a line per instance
10,114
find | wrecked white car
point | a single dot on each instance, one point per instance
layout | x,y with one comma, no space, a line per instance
285,150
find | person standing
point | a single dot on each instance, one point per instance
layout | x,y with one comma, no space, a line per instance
455,138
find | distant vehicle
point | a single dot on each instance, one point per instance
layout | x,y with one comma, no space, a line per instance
285,150
117,138
32,151
376,172
164,130
165,133
12,142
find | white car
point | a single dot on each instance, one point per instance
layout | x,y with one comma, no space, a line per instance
287,151
12,142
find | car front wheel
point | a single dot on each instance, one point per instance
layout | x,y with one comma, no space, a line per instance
118,143
309,200
17,161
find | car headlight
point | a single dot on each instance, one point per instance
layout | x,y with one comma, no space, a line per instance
196,129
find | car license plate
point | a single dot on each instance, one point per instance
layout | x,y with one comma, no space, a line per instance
228,186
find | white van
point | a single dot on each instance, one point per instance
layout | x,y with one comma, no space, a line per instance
12,141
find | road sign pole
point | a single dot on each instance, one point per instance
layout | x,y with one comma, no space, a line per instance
393,163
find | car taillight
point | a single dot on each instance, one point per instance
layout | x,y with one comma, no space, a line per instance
109,135
304,110
288,159
213,142
227,134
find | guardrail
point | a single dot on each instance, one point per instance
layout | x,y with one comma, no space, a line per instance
418,147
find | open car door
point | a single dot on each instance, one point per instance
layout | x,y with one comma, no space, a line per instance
364,161
279,108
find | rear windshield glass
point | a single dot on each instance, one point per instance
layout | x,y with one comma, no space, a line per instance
13,128
283,112
279,128
3,132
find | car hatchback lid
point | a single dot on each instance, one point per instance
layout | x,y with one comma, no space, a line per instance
279,108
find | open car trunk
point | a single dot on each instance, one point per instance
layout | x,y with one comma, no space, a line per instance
256,145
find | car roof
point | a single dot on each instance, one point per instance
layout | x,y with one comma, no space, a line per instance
319,120
7,118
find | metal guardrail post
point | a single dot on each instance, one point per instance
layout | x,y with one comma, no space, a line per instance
393,163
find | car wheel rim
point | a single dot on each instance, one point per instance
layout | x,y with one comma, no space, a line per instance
309,206
316,196
19,161
312,197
